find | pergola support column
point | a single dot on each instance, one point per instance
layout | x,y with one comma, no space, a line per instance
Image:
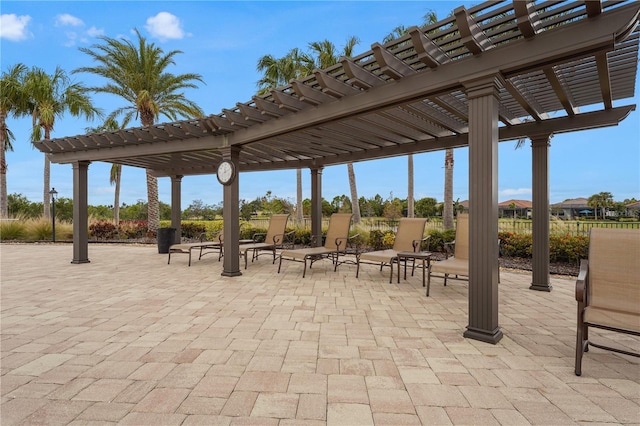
316,204
540,166
80,212
231,217
176,211
483,210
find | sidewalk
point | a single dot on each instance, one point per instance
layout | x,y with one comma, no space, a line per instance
129,339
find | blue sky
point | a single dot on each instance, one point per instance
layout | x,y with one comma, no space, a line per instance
222,41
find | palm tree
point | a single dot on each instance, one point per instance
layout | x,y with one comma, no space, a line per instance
51,96
447,208
137,73
13,101
399,31
325,56
602,199
278,72
297,64
410,200
115,173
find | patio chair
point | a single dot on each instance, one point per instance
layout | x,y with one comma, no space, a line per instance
204,244
273,239
334,245
608,288
458,265
409,237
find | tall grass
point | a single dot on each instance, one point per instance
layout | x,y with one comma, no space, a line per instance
12,229
39,229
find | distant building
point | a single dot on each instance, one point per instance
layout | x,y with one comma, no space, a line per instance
521,209
571,209
633,209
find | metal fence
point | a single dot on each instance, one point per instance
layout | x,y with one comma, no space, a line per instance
571,227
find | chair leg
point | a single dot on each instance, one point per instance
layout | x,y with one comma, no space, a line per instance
304,271
169,261
445,279
357,267
280,264
579,343
189,257
274,256
391,275
246,254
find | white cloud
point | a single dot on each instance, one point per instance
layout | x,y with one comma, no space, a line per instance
165,26
509,192
14,27
95,32
68,20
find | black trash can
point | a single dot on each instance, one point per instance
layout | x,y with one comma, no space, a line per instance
166,237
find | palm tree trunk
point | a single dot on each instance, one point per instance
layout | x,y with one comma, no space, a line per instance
355,207
153,208
299,215
47,184
4,209
116,197
47,180
410,200
447,212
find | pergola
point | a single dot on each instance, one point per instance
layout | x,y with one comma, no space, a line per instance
497,71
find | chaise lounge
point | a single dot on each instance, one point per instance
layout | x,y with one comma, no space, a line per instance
457,265
409,237
334,245
608,288
273,239
202,245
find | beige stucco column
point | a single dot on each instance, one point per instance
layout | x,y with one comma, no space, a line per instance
316,204
176,209
483,210
540,187
80,212
231,217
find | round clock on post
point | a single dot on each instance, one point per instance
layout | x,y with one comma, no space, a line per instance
226,172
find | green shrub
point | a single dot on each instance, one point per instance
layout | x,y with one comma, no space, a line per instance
192,230
438,239
12,230
375,239
515,245
568,248
302,236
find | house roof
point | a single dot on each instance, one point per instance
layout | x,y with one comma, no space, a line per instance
521,204
549,60
572,203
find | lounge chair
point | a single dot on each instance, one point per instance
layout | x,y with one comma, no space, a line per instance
273,239
409,237
458,265
334,245
608,288
204,244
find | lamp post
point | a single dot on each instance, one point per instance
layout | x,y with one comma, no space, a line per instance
53,194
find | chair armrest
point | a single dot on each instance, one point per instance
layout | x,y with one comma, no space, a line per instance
356,238
449,249
255,236
417,244
581,281
289,239
341,240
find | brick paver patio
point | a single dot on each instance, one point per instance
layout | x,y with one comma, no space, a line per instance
129,339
